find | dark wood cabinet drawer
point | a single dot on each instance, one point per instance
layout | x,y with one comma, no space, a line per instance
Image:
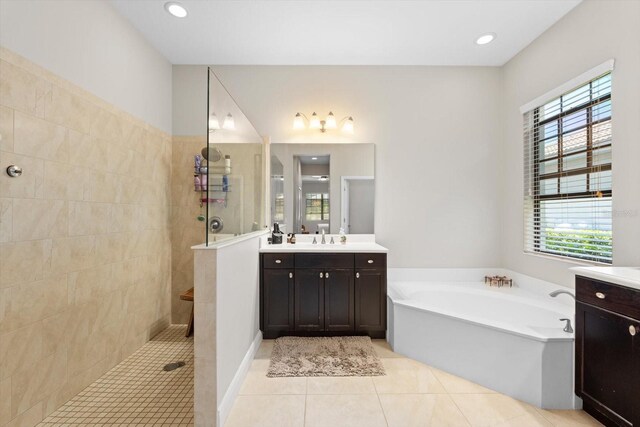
313,260
277,260
625,301
371,260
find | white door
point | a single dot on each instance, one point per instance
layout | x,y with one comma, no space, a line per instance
357,204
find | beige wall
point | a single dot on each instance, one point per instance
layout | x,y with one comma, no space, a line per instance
595,31
437,131
90,44
84,253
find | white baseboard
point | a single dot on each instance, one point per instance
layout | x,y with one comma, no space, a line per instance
234,388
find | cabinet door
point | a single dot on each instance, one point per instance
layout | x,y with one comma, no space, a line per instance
278,301
338,300
371,302
605,363
309,299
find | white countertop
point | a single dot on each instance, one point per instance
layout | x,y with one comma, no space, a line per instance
309,247
356,243
623,276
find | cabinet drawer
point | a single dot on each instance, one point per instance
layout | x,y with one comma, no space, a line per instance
371,260
324,260
614,298
277,260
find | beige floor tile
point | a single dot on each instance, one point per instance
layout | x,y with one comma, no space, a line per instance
345,410
490,409
421,410
340,385
406,376
454,384
267,411
527,420
568,418
383,349
138,390
257,381
266,347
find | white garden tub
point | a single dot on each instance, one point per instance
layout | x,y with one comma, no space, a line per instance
507,339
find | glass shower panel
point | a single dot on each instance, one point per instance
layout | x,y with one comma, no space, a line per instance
233,186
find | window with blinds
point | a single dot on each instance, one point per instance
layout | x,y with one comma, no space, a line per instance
567,174
317,207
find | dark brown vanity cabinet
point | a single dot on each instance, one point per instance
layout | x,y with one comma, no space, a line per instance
371,293
326,294
277,278
608,351
338,300
309,300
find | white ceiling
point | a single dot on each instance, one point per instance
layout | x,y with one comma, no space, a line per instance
343,32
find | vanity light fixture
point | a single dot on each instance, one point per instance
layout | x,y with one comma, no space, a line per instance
329,123
298,121
229,123
214,124
176,9
315,123
348,125
486,38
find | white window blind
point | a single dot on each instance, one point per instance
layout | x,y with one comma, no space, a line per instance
567,174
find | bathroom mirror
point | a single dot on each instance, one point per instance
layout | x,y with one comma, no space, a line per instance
317,187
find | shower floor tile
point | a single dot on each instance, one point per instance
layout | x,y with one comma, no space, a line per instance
138,391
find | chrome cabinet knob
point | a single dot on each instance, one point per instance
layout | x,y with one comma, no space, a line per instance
370,261
326,275
600,295
633,330
357,275
290,275
321,275
278,261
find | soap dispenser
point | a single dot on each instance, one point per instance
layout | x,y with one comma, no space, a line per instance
343,237
276,235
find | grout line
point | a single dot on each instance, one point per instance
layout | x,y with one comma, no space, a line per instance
380,403
304,413
459,410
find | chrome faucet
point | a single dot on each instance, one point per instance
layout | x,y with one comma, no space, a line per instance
323,239
567,326
560,291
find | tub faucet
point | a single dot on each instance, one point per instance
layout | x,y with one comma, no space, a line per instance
558,292
567,326
323,239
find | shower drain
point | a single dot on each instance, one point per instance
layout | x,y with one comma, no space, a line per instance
174,365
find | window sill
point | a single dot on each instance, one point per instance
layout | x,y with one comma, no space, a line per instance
568,260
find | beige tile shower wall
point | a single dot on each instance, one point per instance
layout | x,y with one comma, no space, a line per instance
85,257
186,230
242,210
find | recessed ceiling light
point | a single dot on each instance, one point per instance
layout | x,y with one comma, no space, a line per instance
314,158
176,9
486,38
